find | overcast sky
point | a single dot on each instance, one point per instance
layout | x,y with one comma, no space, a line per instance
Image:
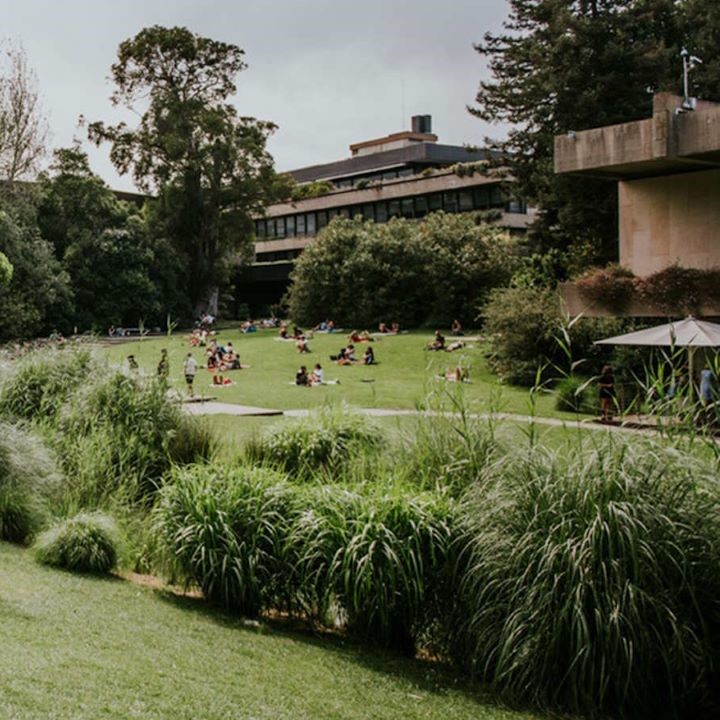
327,72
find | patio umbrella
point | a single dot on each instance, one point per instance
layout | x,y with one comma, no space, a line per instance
689,333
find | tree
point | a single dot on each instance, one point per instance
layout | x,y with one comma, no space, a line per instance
23,128
360,273
702,38
209,166
564,65
103,244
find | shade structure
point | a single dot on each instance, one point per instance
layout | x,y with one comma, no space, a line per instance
683,333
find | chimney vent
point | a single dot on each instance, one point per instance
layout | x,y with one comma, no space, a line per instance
422,124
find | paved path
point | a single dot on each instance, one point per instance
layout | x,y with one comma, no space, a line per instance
221,408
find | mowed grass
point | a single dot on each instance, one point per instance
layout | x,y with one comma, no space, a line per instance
80,647
405,377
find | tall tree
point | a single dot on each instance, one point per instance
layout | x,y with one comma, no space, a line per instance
562,65
208,165
702,38
23,128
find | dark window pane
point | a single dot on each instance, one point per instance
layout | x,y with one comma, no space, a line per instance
421,206
497,198
260,228
381,213
369,211
280,227
332,214
435,202
481,198
394,208
450,201
356,211
310,224
405,172
271,228
407,208
322,220
465,200
290,226
344,212
300,225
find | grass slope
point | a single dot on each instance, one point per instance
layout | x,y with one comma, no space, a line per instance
81,647
405,376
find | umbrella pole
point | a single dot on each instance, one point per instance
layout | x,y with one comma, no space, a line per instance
691,372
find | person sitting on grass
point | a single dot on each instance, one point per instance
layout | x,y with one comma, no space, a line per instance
438,342
283,332
317,376
459,374
301,376
368,356
383,328
347,356
302,345
456,328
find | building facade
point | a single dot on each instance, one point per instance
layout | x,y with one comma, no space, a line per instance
407,174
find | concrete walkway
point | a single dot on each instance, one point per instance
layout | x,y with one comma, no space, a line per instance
220,408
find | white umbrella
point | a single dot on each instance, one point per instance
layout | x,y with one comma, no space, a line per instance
683,333
689,333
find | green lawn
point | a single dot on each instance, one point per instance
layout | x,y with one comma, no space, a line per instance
405,376
80,647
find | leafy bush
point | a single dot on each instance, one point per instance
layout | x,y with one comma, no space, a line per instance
612,287
84,543
28,480
361,273
325,442
591,580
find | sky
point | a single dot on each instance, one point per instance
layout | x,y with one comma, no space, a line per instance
328,72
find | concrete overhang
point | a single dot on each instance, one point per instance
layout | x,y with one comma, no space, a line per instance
671,141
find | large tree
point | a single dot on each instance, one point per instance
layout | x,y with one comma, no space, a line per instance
208,165
23,127
562,65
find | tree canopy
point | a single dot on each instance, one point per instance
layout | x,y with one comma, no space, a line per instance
208,165
561,65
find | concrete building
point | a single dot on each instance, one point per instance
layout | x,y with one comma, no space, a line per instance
667,168
406,174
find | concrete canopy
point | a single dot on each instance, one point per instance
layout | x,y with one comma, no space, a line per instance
683,333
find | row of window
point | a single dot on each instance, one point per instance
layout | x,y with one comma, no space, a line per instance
479,198
376,177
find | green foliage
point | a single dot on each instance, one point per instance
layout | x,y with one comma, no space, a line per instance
325,442
591,580
560,66
208,165
361,273
85,543
39,295
311,190
29,478
576,394
6,270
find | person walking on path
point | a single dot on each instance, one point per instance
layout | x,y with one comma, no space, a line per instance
190,368
163,366
606,386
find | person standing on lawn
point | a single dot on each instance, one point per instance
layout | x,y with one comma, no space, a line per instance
190,368
163,366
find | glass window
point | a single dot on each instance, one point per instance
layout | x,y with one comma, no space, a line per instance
405,172
450,201
465,200
344,212
435,202
394,208
481,199
497,198
407,208
270,228
300,224
381,213
389,175
290,226
280,227
421,206
369,211
322,220
260,228
310,223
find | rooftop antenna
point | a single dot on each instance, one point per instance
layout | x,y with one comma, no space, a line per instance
689,63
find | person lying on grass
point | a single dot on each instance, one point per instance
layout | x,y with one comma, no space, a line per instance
357,337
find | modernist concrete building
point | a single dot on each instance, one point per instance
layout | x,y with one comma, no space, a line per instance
406,174
668,173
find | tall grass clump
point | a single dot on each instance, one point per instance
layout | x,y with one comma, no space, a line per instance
29,479
84,543
592,579
42,382
224,531
323,443
121,435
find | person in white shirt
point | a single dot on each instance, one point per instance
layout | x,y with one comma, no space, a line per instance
190,368
318,375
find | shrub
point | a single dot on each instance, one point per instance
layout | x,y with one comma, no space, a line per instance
592,579
225,532
325,442
42,383
612,287
28,479
84,543
576,394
